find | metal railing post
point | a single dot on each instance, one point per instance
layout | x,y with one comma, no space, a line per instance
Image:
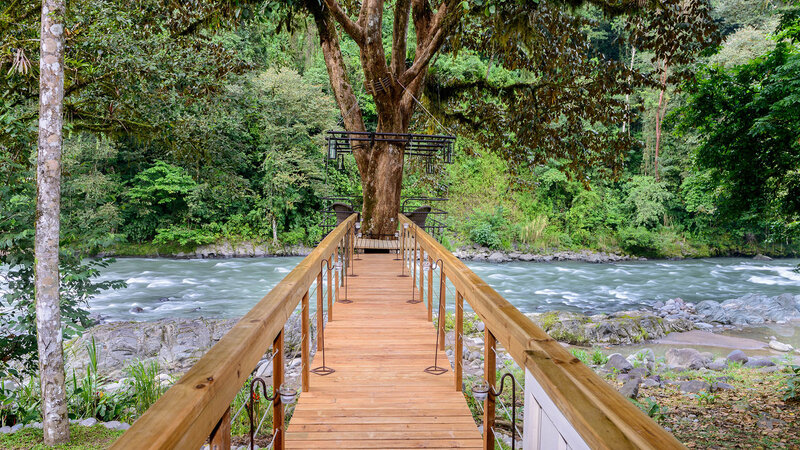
442,306
330,294
430,294
490,375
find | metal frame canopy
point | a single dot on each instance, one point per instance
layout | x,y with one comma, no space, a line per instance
427,146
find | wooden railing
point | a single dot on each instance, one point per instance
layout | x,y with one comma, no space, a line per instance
197,408
567,405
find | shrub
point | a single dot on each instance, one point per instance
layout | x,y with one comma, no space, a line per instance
791,385
485,228
183,236
637,241
145,385
533,231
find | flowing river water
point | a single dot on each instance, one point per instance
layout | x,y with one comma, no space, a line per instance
169,288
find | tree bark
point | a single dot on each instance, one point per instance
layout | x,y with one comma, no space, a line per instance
48,204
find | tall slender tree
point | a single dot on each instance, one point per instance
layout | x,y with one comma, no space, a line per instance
48,206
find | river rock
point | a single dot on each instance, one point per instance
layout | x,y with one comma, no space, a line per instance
498,257
780,346
617,364
116,425
737,356
717,365
90,422
756,363
650,382
136,310
624,327
751,309
760,257
721,386
685,357
693,386
631,388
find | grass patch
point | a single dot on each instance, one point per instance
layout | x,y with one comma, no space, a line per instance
81,438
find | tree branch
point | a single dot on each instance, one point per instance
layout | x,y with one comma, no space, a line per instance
353,29
433,38
337,71
401,13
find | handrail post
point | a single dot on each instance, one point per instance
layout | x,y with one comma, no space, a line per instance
421,275
220,438
277,381
414,266
490,374
442,307
304,342
430,293
459,350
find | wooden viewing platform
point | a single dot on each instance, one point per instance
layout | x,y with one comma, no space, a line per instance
377,244
379,396
379,346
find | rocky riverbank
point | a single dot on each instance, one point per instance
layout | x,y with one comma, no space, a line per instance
478,253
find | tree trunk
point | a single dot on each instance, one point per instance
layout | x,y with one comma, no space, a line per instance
48,203
380,164
382,183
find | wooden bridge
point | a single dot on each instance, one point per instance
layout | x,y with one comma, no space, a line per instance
379,345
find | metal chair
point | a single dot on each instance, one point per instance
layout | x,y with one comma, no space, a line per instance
343,211
419,215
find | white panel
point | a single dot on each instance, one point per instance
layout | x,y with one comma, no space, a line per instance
549,413
550,435
532,423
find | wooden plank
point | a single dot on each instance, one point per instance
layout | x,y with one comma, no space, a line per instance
601,415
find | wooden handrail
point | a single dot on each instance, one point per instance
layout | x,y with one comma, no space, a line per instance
602,416
188,412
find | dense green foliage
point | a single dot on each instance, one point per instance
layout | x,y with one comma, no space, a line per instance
205,125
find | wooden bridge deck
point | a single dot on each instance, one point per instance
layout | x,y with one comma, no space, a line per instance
379,396
377,244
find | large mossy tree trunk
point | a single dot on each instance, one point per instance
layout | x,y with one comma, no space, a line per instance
48,205
394,86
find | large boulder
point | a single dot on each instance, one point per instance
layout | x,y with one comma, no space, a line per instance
694,386
751,309
737,356
624,327
617,364
631,388
685,357
498,257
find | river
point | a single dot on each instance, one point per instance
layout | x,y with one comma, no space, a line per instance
227,288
